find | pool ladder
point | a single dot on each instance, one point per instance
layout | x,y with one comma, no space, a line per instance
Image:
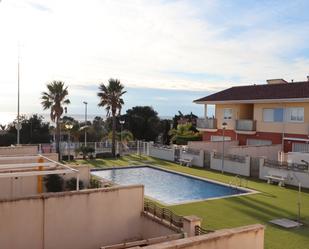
237,182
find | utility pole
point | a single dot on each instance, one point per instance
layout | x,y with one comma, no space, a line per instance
224,124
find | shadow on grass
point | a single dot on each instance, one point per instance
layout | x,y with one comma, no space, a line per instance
264,212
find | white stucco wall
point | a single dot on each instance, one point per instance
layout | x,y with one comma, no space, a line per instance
162,153
231,166
197,160
293,177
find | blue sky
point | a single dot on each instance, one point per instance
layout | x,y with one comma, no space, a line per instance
167,53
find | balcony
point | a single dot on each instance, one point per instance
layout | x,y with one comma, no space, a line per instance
245,126
208,124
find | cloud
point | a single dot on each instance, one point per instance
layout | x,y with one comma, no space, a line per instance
183,45
39,7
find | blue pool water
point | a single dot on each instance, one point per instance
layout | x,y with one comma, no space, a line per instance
167,187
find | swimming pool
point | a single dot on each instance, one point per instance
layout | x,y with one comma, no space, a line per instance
166,186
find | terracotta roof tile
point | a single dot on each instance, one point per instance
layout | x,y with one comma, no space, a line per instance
259,92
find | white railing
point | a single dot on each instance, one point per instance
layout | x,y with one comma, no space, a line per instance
208,123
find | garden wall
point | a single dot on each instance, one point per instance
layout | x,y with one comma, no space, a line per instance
87,219
236,238
211,146
197,158
161,153
296,157
231,166
19,150
268,151
293,176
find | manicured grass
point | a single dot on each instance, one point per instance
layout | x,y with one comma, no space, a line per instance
272,202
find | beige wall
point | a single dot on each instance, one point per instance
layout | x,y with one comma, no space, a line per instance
211,146
292,128
86,219
27,186
19,150
245,111
240,111
84,174
236,238
268,151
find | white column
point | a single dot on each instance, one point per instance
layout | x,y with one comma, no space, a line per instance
205,111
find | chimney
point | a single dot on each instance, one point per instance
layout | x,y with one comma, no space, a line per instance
276,81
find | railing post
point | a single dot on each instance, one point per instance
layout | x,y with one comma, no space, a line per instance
189,224
77,182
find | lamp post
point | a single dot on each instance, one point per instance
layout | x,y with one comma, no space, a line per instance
69,126
18,125
85,103
224,124
121,127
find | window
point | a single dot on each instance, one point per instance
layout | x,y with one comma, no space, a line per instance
227,113
257,142
295,114
273,115
220,138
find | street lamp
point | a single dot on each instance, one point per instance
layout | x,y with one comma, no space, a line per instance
121,127
69,126
85,103
224,124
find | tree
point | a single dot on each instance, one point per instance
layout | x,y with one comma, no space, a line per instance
184,133
55,99
183,119
165,127
124,136
111,98
143,122
33,131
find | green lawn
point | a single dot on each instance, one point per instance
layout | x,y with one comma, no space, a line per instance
272,202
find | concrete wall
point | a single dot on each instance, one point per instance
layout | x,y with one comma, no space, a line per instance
231,166
162,153
19,150
236,238
18,187
86,219
197,160
268,151
293,177
27,186
296,157
211,146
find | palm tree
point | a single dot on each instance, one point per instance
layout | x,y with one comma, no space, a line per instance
54,100
110,98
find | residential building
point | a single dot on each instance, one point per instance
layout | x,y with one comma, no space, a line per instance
272,113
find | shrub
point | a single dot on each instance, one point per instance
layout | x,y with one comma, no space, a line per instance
71,184
53,183
95,182
66,157
183,140
87,151
104,155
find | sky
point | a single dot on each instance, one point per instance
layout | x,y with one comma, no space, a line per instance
166,52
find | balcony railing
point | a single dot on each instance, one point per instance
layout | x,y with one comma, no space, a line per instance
208,123
245,125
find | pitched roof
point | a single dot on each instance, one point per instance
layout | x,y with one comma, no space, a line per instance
260,92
